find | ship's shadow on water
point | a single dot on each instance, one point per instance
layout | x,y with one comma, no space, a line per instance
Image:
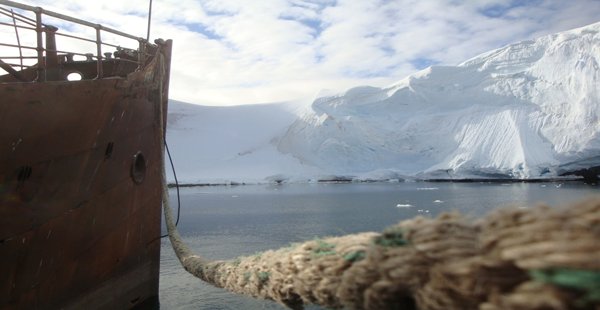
224,222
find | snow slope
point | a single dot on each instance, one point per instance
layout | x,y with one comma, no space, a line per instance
221,145
527,110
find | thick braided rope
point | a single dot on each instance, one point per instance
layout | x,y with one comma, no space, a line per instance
512,259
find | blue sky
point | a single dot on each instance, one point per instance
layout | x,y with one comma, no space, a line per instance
229,52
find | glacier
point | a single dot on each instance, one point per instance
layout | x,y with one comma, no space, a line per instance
233,144
527,110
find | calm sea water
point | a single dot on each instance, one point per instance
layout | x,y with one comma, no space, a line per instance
225,222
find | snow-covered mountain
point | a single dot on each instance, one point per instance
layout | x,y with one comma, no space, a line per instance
527,110
221,145
530,109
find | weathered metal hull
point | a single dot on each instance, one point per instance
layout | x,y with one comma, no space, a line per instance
79,211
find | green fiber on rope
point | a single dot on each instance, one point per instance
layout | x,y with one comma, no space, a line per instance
393,237
323,248
586,281
355,256
263,276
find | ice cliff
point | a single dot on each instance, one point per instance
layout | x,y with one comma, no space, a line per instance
527,110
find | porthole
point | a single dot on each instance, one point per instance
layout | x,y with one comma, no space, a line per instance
74,76
138,168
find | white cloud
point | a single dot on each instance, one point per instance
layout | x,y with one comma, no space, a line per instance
234,52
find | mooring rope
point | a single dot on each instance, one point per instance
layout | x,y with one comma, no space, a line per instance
533,258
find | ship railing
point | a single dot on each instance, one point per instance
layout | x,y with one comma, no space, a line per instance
43,54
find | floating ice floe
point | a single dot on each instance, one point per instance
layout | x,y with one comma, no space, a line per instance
401,205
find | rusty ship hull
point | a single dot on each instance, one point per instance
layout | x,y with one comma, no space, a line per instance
81,184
